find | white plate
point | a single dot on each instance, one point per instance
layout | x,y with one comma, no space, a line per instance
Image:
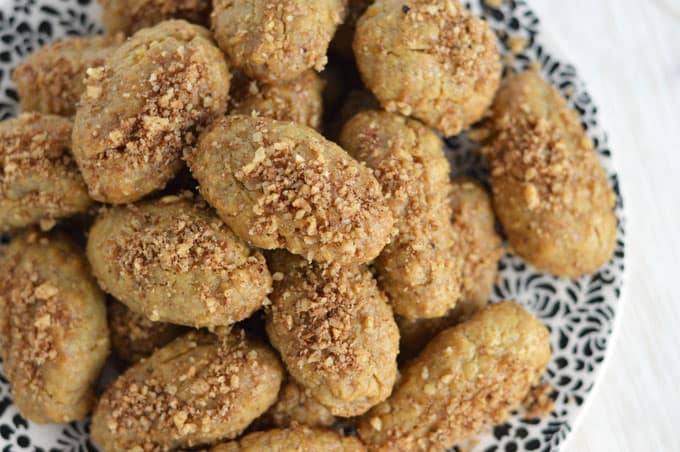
580,313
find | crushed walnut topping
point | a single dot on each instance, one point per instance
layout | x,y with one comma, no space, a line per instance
320,320
39,179
187,242
186,394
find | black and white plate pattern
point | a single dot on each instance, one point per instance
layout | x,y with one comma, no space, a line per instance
580,313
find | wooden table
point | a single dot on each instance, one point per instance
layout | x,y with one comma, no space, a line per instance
628,51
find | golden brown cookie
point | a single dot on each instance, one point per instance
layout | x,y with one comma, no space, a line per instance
468,377
144,106
480,247
39,180
420,269
299,100
430,59
174,260
199,389
335,332
51,80
53,334
282,185
276,40
479,242
550,190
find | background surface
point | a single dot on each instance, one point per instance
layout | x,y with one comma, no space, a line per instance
628,51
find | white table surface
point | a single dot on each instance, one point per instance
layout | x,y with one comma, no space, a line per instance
628,51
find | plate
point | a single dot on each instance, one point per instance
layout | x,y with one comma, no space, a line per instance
580,313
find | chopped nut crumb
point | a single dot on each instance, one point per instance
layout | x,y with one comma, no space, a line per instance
517,44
